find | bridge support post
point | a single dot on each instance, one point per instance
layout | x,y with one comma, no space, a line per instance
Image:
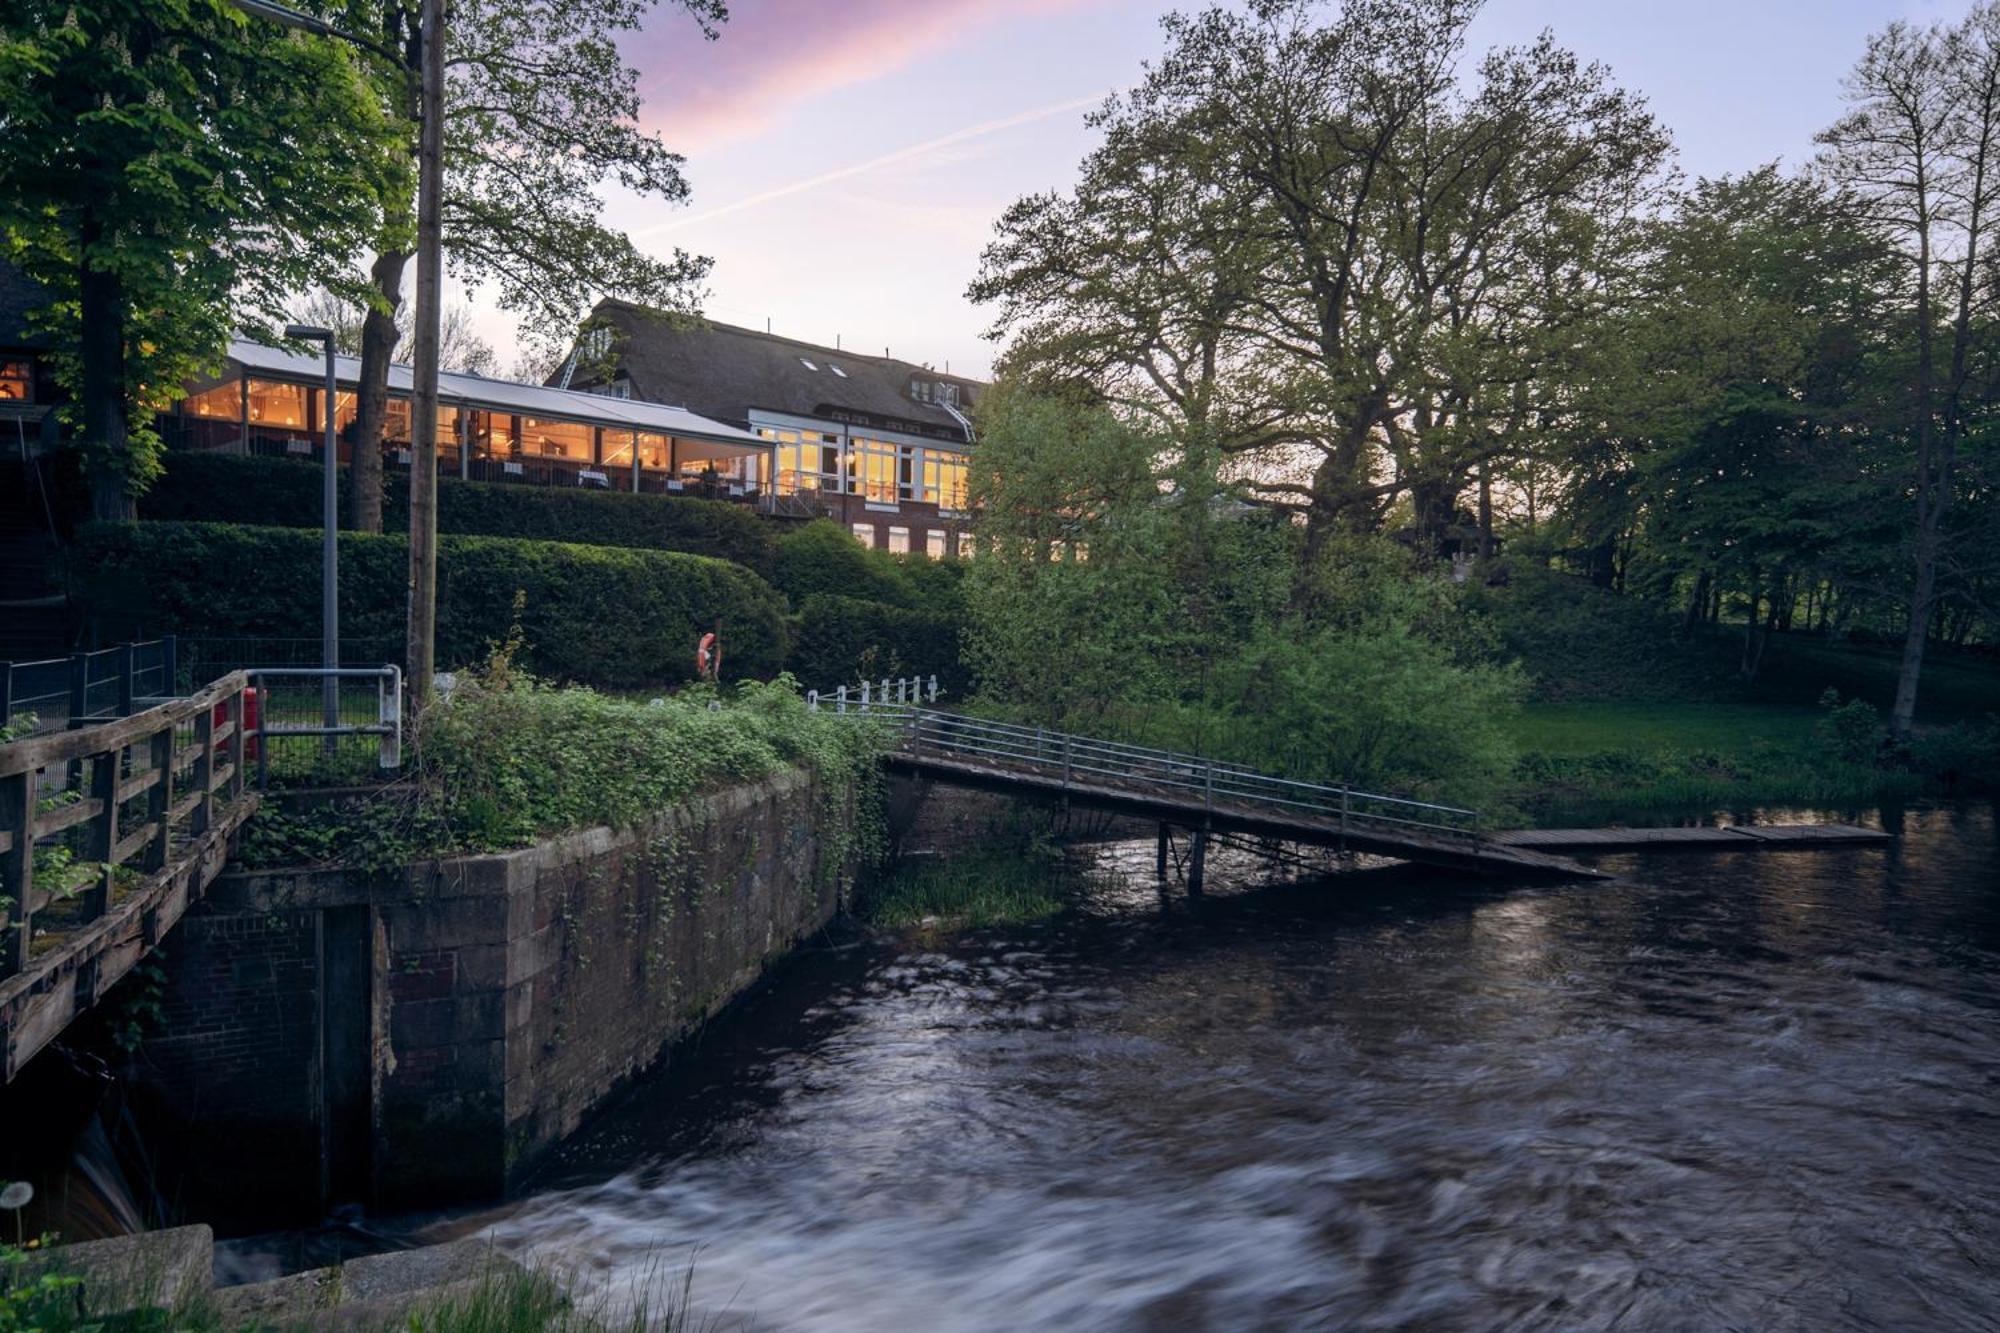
1197,856
1160,855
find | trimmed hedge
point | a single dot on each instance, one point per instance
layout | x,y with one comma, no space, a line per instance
283,492
823,559
604,616
844,640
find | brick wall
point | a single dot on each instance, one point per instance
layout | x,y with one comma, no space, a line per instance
236,1063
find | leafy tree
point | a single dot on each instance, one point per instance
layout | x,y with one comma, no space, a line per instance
168,170
541,113
1919,151
1345,270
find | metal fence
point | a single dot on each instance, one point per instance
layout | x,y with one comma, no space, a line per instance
65,692
1074,760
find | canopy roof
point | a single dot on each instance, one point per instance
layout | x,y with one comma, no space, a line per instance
462,389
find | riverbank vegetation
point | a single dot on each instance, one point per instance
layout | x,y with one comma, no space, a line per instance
1363,401
997,886
507,759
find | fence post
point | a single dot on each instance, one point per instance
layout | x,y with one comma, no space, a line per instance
204,771
389,712
160,800
125,690
101,834
933,687
864,696
840,699
17,867
812,701
885,691
237,714
79,688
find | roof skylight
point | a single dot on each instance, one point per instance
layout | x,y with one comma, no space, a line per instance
836,370
807,364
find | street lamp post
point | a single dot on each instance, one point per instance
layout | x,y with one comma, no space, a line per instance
329,552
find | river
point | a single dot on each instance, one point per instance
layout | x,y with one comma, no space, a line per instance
1753,1090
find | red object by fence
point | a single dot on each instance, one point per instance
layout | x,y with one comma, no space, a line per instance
253,712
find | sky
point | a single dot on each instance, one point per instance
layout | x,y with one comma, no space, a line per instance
848,157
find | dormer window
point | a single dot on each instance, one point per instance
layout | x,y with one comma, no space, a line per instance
920,390
947,393
597,341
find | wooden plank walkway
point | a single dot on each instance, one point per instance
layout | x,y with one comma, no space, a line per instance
1706,836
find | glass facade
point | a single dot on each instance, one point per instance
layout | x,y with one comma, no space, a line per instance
558,439
872,465
273,403
222,403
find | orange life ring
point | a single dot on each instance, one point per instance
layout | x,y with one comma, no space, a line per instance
708,657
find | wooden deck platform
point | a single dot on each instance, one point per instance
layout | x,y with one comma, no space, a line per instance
1711,837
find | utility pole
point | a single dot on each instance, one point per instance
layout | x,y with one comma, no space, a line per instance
421,640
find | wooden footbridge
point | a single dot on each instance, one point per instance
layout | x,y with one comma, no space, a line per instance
1201,795
133,819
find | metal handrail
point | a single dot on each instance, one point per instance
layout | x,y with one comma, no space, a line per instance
1072,756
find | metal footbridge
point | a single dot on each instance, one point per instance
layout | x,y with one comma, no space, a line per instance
1173,789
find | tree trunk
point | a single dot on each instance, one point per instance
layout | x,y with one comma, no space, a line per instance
1485,512
1697,607
107,443
378,349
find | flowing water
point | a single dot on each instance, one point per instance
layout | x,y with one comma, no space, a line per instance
1755,1090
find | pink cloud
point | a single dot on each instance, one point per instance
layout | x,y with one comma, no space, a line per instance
774,54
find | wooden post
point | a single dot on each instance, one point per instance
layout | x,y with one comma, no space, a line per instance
101,834
204,771
160,800
17,867
237,714
1197,857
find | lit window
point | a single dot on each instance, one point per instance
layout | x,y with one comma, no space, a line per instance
899,541
17,382
836,370
275,404
556,439
965,546
934,543
807,364
224,401
865,533
873,464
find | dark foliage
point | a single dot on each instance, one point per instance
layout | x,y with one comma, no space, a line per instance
278,492
600,615
843,640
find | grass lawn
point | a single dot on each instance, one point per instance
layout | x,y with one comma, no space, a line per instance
1570,730
1647,762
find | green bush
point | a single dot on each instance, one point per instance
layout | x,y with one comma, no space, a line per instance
823,558
601,615
842,640
282,492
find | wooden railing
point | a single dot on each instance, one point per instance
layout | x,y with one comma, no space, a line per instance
184,758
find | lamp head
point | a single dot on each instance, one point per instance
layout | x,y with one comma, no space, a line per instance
308,333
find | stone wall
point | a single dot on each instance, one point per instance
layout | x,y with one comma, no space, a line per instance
421,1042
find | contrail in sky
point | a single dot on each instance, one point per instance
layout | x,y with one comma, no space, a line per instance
887,159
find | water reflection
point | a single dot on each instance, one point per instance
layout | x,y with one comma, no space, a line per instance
1752,1090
